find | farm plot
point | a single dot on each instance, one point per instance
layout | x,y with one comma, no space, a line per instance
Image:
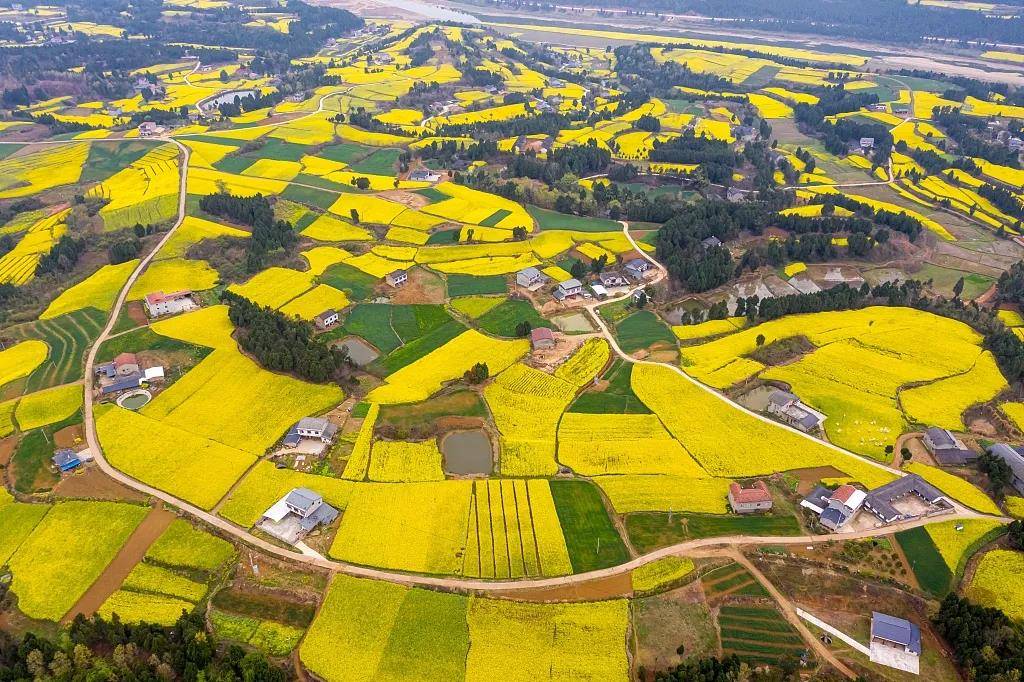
18,266
862,360
593,444
17,520
193,231
175,274
996,582
759,635
707,427
67,337
21,359
554,641
590,536
419,527
376,630
26,174
71,549
730,580
514,531
146,192
99,290
424,377
400,462
526,405
48,406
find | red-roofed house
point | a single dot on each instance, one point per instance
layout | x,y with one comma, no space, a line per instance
158,303
125,364
541,338
750,500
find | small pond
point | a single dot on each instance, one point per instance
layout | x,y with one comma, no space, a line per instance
467,452
360,351
227,98
135,400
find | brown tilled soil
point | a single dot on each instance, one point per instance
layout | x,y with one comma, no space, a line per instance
90,483
601,588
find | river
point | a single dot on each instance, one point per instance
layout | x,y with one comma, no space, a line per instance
431,11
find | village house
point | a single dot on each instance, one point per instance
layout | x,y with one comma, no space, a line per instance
125,364
710,242
750,500
159,304
867,143
316,428
611,279
397,278
568,288
789,409
531,278
529,145
946,448
326,319
382,58
1013,455
424,175
66,460
637,269
149,129
895,642
835,508
599,291
541,338
296,514
883,501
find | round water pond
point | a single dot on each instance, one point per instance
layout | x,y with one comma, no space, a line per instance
467,452
135,400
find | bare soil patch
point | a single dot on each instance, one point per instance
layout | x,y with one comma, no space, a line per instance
423,287
69,437
89,483
405,197
601,588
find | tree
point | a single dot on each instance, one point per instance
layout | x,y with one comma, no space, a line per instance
477,374
999,473
224,77
578,269
958,288
362,182
524,328
1015,535
759,341
354,214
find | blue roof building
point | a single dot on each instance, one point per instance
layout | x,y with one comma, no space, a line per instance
122,384
896,633
65,459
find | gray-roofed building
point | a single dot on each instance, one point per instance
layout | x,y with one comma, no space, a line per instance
397,278
710,242
65,459
637,268
296,514
570,287
946,448
424,175
531,278
613,278
326,319
882,501
317,428
834,507
789,409
122,384
1013,455
895,642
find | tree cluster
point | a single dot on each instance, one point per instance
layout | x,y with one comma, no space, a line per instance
284,345
268,233
986,644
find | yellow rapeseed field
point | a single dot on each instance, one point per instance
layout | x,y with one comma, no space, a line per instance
943,402
424,377
709,428
196,469
315,301
586,363
578,641
359,459
174,275
593,444
21,359
997,583
417,527
665,493
664,571
49,406
954,544
399,462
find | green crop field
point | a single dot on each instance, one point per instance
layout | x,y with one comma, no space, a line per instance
931,571
590,536
311,196
356,283
616,398
758,634
67,336
379,162
651,530
417,348
553,220
107,158
642,329
468,285
504,319
496,217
